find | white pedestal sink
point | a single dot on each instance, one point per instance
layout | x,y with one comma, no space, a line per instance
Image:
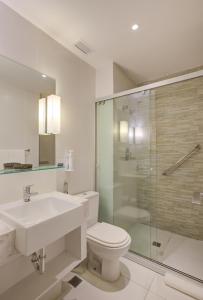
43,220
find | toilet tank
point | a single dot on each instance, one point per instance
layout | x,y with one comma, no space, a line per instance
93,206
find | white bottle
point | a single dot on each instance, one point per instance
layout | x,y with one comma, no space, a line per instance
66,160
70,160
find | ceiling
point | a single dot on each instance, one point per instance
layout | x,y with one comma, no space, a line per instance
169,39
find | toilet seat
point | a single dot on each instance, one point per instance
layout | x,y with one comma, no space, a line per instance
108,235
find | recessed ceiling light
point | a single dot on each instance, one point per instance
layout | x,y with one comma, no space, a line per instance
135,27
44,76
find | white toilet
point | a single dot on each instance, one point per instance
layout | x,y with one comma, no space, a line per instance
106,243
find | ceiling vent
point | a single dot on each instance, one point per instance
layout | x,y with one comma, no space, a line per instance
82,47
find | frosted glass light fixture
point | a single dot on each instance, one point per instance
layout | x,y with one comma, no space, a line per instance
42,116
53,114
50,115
123,131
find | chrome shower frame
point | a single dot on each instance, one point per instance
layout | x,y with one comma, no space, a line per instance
153,85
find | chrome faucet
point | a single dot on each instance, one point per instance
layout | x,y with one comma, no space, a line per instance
27,193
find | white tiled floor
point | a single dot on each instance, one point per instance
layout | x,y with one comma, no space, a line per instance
144,284
86,291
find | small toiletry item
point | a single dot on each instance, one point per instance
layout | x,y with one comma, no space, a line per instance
60,164
71,165
66,160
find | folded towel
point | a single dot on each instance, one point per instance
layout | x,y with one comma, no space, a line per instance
185,286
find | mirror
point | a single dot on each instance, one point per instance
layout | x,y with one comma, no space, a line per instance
20,142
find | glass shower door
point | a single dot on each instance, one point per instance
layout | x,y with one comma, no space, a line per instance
133,169
104,160
126,166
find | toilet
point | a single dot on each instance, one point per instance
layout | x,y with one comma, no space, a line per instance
106,243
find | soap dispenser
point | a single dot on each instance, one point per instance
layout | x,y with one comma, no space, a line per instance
66,160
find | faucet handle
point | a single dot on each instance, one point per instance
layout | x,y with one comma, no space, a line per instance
27,192
27,187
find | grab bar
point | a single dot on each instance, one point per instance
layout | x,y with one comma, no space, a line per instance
181,161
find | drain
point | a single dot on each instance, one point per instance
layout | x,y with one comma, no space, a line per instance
75,281
156,244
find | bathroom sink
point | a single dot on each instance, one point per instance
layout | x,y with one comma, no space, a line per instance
43,220
34,212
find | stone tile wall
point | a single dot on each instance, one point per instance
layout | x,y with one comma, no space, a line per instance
177,126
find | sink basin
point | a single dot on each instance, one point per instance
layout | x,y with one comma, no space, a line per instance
34,212
43,220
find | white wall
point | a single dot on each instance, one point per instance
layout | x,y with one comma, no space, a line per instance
104,80
75,83
121,82
110,79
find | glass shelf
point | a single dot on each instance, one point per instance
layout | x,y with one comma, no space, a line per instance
41,168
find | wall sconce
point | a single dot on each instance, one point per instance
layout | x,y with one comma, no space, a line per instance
123,131
50,115
53,114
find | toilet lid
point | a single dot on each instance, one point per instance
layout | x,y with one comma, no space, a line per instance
108,234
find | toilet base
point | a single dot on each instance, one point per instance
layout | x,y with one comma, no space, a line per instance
94,264
108,270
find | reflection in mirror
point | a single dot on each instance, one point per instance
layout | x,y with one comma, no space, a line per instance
20,142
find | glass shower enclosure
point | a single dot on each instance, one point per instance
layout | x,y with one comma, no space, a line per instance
150,171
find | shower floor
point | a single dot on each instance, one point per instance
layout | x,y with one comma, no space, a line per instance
179,252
